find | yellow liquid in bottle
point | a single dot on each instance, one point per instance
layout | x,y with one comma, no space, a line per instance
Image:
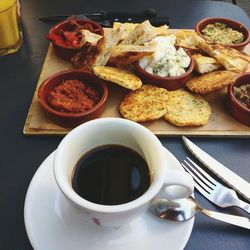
10,34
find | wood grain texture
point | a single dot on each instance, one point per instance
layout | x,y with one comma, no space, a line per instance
221,123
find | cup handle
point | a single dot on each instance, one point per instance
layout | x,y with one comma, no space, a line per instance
177,185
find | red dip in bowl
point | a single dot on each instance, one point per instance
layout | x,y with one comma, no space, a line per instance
73,96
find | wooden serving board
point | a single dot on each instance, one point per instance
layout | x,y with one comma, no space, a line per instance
221,123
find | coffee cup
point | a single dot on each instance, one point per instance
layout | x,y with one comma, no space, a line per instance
171,184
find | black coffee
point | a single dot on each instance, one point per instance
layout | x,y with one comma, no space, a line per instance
111,175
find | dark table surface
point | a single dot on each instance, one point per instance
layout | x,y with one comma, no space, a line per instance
22,155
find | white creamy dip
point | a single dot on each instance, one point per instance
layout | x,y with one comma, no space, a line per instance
166,61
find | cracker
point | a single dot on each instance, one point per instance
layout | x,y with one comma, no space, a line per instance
125,27
126,54
186,109
145,104
97,54
119,76
186,39
230,58
144,32
212,81
205,64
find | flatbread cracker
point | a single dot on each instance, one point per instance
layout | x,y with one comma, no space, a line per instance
119,76
205,84
126,54
230,58
143,33
186,39
125,27
97,54
205,64
145,104
186,109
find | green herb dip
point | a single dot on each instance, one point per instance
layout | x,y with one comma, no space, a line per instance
221,33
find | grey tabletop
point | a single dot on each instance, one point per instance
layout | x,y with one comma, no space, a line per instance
21,156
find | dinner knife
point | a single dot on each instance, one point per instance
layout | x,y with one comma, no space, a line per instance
236,182
156,21
102,15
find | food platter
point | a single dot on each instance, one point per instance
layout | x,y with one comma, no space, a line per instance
221,123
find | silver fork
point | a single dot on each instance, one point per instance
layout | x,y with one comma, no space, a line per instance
212,189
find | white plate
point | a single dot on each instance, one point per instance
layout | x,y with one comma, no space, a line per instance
53,223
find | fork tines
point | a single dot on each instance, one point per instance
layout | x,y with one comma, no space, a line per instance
213,190
203,181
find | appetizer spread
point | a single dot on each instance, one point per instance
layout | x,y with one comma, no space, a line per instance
160,53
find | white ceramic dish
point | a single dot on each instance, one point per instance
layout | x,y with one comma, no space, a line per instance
53,223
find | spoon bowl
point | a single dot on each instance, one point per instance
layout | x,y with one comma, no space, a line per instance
176,210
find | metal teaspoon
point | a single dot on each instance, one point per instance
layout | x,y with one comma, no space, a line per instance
185,209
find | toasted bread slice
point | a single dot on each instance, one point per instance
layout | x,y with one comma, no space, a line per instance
186,109
205,84
119,76
230,58
126,54
205,64
144,104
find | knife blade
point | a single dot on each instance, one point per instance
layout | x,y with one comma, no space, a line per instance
156,21
148,13
233,180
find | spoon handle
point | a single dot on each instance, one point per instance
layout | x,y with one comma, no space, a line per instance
228,218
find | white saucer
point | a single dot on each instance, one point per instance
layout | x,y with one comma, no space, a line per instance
53,223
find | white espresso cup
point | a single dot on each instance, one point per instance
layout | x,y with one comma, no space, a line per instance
116,131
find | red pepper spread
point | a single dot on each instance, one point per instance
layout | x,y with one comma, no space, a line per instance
73,96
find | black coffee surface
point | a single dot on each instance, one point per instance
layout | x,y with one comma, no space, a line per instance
111,175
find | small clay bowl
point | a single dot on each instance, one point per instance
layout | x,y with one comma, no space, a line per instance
230,23
72,119
64,51
169,83
236,108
